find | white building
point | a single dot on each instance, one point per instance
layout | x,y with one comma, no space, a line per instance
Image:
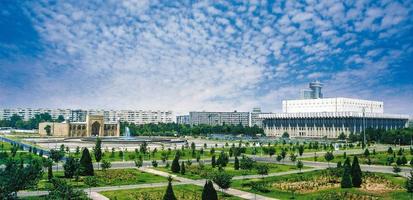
332,105
79,115
219,118
318,117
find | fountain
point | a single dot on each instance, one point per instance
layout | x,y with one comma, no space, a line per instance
127,133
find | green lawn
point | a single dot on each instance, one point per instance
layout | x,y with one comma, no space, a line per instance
325,184
5,146
195,172
111,177
380,158
182,192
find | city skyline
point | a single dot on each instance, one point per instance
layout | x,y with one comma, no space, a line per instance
203,56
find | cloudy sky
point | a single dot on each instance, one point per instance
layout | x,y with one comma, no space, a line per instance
203,55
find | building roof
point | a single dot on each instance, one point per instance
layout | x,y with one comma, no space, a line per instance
331,115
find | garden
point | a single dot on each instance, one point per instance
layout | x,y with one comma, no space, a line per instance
182,192
325,184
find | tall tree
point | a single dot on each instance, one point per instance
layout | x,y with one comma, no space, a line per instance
56,156
86,163
356,176
346,178
329,157
175,168
169,193
70,167
222,179
409,184
183,168
97,150
236,163
48,130
209,192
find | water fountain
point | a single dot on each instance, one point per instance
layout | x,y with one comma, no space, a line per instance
127,133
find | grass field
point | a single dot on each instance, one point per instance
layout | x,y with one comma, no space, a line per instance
111,177
325,184
195,172
379,158
182,192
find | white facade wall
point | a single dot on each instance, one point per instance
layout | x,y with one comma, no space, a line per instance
131,116
332,105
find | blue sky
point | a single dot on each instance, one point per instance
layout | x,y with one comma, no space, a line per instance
218,55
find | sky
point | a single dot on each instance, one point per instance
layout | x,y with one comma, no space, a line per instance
203,55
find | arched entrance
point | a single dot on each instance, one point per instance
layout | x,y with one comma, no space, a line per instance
95,129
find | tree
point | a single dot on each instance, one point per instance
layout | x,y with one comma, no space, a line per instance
285,135
409,184
183,168
366,152
301,150
97,150
346,178
48,130
49,164
60,118
390,150
236,163
342,136
246,163
169,193
62,190
86,163
396,169
91,181
154,163
70,167
213,162
271,151
329,157
293,157
356,173
262,169
106,165
222,179
56,156
209,192
14,177
300,165
175,168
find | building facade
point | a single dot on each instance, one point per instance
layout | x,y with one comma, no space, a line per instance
332,105
219,118
93,126
79,115
182,119
318,117
314,92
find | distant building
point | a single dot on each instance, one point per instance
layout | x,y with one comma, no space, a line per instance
182,119
317,117
410,123
255,117
314,92
79,115
219,118
93,126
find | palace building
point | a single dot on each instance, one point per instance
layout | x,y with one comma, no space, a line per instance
317,117
93,126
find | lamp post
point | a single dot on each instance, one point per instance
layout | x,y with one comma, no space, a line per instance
364,127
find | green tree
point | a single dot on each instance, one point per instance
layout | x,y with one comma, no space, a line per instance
222,179
301,150
183,168
356,175
106,165
390,150
86,163
346,178
285,135
409,184
97,150
213,161
70,167
169,193
300,165
62,190
366,152
209,192
236,163
48,130
91,181
262,169
56,156
60,118
175,168
329,157
342,136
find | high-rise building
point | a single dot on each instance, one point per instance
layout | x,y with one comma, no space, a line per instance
314,92
219,118
182,119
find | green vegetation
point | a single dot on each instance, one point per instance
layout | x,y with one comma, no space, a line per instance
110,177
399,136
182,192
325,184
17,121
200,171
